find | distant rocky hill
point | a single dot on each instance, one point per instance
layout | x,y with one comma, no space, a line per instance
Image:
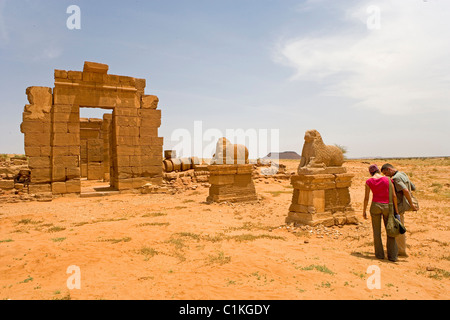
286,155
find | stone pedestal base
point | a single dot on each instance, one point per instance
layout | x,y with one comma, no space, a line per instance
322,197
232,183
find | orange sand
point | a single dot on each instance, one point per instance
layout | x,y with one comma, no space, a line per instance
159,246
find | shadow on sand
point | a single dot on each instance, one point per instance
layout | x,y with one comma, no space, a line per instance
369,256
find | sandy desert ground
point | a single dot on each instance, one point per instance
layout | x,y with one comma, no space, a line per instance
157,246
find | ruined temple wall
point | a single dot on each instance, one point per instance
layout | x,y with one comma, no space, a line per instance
37,129
94,149
51,126
106,137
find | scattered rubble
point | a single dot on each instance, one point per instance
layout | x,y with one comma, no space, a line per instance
319,231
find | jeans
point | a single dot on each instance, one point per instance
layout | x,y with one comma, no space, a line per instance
378,211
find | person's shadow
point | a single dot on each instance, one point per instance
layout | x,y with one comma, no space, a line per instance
369,256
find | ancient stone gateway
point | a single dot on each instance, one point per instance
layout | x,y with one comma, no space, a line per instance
51,125
321,186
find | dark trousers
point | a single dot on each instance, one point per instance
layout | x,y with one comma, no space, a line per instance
378,211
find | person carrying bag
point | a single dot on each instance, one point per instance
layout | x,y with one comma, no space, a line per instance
405,200
384,204
394,227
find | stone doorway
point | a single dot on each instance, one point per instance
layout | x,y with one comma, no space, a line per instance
96,150
51,127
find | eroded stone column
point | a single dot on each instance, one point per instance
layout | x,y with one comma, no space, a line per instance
37,128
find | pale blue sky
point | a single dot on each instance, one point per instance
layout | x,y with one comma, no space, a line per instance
250,64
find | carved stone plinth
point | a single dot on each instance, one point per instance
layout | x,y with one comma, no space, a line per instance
321,196
232,183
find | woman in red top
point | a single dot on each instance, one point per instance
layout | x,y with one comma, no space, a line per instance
379,185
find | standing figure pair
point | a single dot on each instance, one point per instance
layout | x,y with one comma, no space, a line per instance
401,187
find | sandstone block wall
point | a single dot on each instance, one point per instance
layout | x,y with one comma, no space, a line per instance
51,125
37,127
106,130
95,137
322,198
232,183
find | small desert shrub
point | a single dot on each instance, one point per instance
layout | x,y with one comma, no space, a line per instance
230,282
251,226
65,297
110,220
179,255
188,235
220,258
251,237
214,238
154,214
29,279
125,239
28,221
56,229
437,187
177,242
320,268
361,275
439,274
158,224
148,252
326,285
79,224
343,149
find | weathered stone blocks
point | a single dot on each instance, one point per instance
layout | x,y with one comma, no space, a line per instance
321,186
149,102
60,148
232,183
6,184
321,199
41,101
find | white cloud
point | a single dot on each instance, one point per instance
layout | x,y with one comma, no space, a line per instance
402,67
49,53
